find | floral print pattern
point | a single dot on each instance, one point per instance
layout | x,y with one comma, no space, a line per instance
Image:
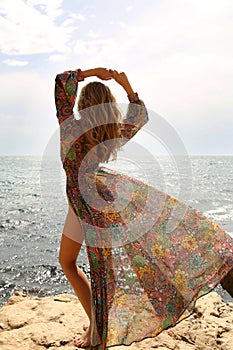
151,257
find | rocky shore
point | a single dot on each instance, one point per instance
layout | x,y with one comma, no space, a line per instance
32,323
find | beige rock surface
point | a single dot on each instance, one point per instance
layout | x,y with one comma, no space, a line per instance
32,323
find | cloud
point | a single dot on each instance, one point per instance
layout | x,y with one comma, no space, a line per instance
27,97
57,58
27,112
93,35
178,56
181,57
129,8
92,47
72,19
77,17
18,63
52,8
35,30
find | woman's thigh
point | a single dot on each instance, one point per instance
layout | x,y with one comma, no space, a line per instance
72,227
72,237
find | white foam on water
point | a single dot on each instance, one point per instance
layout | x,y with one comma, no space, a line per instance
224,213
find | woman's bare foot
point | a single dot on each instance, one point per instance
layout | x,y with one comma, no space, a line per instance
84,340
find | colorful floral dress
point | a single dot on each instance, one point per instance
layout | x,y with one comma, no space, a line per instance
150,255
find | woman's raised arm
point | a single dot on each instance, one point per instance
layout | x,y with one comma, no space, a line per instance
136,115
101,73
66,85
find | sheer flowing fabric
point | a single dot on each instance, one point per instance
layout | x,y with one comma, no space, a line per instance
150,256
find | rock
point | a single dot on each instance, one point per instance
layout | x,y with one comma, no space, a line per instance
227,283
32,323
16,298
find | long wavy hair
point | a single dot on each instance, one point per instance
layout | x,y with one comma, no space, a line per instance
101,121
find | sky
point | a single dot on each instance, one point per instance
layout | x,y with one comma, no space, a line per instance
177,54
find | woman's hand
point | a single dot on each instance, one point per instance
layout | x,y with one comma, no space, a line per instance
103,73
107,74
122,79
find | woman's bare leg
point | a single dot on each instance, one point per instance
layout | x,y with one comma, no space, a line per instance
71,243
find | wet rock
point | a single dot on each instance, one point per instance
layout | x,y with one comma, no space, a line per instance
227,283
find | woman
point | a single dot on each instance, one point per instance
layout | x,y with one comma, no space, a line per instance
140,284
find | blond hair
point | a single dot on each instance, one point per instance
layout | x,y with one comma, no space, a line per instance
101,121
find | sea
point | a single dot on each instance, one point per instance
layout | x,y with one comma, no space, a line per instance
33,208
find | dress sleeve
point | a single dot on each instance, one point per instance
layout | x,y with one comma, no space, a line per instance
136,117
66,85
